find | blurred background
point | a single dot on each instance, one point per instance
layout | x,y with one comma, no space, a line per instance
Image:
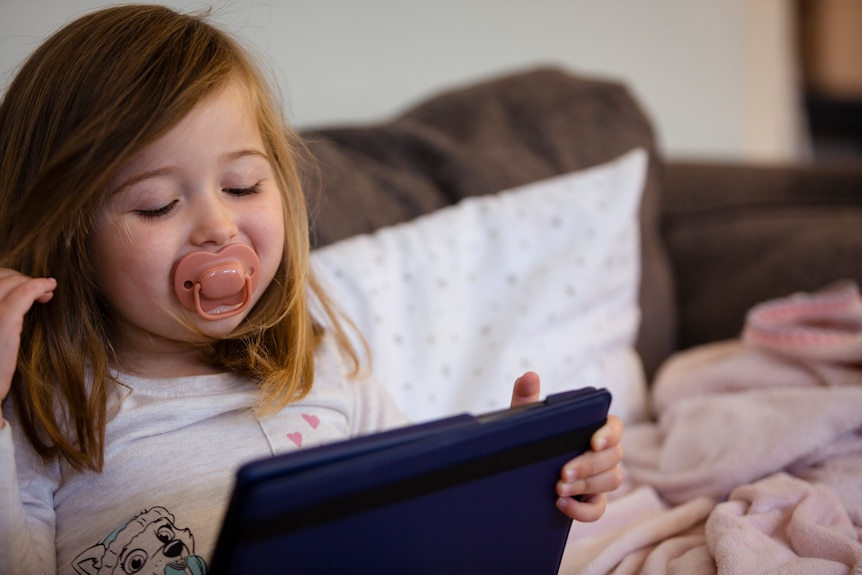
771,81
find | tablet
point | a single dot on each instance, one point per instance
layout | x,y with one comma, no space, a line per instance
464,494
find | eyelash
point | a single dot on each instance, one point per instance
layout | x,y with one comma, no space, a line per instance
243,191
237,192
152,214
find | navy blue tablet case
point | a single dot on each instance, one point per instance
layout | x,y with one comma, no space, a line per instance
465,494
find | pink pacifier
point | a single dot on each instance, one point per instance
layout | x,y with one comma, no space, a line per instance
217,285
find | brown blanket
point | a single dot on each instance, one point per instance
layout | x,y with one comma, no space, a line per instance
754,461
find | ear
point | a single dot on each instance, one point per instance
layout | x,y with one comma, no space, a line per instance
90,561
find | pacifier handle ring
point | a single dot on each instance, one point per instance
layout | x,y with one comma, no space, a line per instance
231,312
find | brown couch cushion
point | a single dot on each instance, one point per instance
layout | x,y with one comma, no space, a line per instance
481,139
739,235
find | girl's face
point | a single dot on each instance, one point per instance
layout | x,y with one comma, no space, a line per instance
204,185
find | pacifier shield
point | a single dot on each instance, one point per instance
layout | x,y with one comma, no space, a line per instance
217,285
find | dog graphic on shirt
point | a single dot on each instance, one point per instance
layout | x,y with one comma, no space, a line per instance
148,544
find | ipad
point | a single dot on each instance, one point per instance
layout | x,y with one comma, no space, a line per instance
464,494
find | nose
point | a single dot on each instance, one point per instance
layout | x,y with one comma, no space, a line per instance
214,221
174,549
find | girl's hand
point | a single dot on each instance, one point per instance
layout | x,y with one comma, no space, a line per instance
18,293
586,479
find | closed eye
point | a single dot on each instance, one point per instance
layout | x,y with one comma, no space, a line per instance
158,212
243,191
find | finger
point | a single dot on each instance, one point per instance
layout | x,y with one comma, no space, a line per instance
608,435
18,293
585,509
592,463
603,482
47,295
10,280
526,389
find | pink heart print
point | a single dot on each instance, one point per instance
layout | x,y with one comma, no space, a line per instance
295,437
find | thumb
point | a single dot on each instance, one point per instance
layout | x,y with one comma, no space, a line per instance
526,389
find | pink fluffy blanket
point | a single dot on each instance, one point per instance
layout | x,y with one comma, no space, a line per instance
753,463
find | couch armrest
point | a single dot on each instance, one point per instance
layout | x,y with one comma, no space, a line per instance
740,234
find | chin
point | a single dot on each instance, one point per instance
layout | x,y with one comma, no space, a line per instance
218,329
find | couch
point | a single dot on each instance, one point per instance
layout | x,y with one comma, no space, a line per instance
717,238
738,459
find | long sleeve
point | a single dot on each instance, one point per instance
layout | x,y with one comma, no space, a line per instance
26,509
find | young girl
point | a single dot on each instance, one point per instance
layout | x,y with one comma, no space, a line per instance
155,296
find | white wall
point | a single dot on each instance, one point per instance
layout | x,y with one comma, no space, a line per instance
718,77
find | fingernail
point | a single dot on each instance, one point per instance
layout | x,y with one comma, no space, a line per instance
601,442
562,503
570,474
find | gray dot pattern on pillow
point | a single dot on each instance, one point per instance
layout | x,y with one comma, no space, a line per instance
457,304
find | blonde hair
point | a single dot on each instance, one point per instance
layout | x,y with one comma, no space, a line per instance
86,101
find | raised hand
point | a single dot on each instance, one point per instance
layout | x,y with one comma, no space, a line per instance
18,293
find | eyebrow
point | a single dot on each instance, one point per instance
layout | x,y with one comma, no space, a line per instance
230,156
167,170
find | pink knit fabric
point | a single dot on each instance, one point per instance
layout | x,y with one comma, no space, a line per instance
754,459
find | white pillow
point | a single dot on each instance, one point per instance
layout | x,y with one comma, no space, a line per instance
457,304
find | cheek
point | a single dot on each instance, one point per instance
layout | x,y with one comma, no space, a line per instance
129,268
106,246
134,283
269,240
